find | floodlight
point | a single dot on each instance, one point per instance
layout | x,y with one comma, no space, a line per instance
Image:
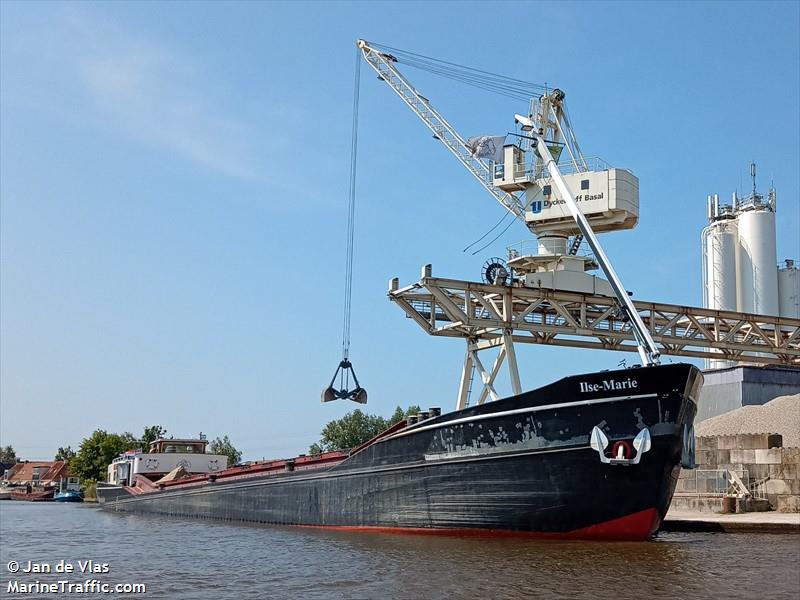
527,123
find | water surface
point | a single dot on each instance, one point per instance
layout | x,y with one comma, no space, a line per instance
203,560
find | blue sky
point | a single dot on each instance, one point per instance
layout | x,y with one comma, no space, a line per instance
174,181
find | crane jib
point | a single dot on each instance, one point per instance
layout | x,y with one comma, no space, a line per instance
383,65
552,111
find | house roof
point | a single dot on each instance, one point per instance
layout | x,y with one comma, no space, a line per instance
49,471
59,470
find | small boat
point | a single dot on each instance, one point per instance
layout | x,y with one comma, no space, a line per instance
5,494
69,496
33,494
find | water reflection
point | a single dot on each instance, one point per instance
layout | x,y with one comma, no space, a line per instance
199,559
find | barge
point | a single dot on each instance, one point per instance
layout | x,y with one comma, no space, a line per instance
581,458
592,456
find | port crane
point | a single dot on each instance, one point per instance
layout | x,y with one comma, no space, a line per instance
551,299
544,128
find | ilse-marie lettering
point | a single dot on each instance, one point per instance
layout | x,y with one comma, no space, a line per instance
609,384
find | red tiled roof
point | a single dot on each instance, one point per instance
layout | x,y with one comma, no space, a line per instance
59,470
49,471
14,469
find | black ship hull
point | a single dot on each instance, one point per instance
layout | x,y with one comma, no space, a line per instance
522,466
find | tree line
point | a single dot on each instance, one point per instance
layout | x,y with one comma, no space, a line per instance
355,428
97,451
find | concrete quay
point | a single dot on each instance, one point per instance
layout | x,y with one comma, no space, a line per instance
755,522
769,471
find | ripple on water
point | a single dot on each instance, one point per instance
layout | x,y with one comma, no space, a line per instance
205,560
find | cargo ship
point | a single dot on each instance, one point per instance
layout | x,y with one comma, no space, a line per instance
592,456
561,461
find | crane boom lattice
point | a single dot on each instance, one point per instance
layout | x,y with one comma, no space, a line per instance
383,65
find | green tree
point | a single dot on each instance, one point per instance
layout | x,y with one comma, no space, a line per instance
97,451
400,414
412,410
224,446
66,454
355,428
7,455
351,430
150,435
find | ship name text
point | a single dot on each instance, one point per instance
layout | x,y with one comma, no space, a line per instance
608,385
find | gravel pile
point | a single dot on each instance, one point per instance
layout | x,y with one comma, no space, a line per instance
780,415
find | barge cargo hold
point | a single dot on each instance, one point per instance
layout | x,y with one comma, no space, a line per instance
593,456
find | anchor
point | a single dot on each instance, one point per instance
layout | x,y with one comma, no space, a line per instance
641,443
357,394
688,448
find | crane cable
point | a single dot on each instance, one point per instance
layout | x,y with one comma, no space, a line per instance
494,239
345,368
491,229
351,211
501,85
492,82
495,83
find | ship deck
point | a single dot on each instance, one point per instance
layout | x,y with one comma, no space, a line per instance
301,463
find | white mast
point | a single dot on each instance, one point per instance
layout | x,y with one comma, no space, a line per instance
646,346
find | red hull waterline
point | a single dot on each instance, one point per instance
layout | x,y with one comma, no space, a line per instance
637,527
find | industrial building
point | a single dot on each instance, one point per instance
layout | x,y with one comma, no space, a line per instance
740,273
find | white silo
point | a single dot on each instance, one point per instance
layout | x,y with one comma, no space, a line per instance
719,250
789,290
740,255
756,257
719,245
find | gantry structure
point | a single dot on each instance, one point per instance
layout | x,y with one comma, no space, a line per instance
500,316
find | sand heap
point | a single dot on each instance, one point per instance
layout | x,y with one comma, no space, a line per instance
780,415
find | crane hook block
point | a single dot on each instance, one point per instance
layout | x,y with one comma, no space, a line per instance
357,394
